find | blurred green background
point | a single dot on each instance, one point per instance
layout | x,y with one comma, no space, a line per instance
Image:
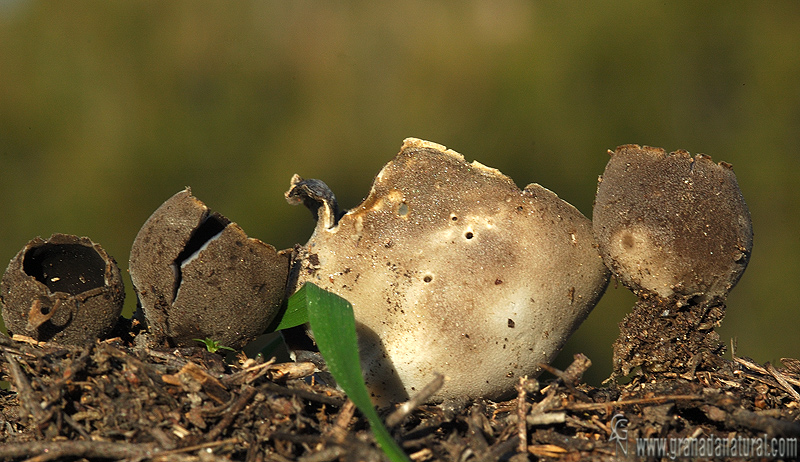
109,108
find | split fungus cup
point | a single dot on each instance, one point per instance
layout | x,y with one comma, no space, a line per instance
199,276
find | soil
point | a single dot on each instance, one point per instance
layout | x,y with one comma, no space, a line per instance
119,399
670,335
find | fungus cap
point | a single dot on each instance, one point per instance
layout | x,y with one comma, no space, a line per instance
451,268
198,275
672,225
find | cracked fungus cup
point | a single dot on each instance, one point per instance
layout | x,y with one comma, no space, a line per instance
451,268
65,289
199,276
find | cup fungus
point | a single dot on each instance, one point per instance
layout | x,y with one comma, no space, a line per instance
65,289
451,268
198,275
675,229
672,224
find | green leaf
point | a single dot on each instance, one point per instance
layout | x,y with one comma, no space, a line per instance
334,328
294,313
212,345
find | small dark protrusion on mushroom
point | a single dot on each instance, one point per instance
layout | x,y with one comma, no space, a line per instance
317,197
674,229
65,289
198,276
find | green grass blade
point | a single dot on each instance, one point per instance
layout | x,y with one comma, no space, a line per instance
293,313
334,328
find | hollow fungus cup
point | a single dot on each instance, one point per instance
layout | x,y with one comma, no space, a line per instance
451,268
674,229
65,289
198,276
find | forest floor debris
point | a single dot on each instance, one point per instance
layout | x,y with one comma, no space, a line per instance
117,400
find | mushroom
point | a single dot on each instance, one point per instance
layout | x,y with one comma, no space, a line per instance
672,225
451,268
65,289
675,229
199,276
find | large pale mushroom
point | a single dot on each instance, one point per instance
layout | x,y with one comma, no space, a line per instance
451,268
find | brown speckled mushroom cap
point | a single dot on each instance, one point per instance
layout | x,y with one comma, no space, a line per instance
65,289
672,225
451,268
199,276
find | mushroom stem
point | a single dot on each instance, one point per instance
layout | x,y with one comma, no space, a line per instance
317,197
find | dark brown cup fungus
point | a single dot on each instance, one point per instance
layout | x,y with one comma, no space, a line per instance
675,229
451,268
198,276
672,224
65,289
